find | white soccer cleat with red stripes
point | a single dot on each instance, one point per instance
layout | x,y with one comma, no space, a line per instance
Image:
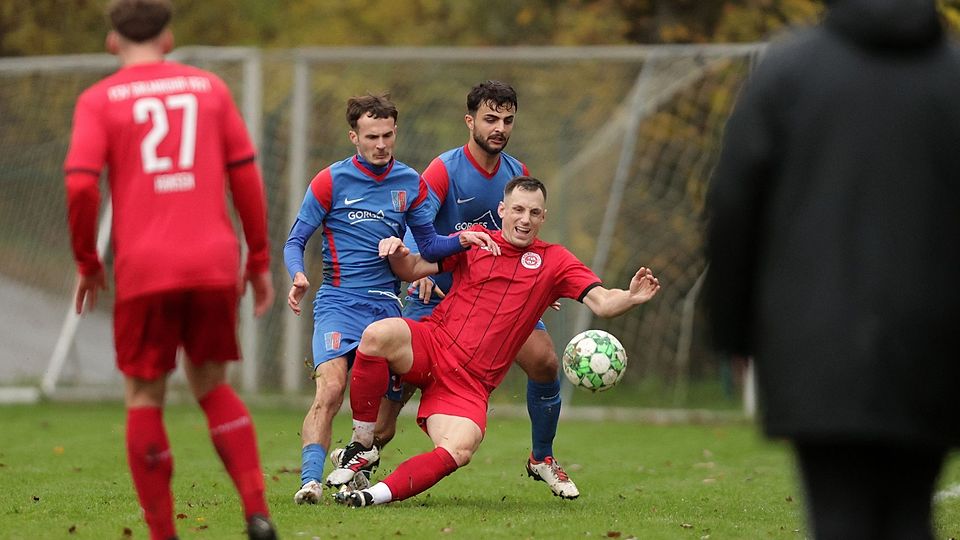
354,459
550,471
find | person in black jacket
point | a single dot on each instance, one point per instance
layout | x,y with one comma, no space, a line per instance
834,241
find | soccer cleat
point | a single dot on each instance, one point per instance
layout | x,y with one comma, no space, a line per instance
336,455
259,527
356,499
361,480
353,459
309,493
550,471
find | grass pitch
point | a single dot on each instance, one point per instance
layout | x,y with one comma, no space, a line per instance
63,475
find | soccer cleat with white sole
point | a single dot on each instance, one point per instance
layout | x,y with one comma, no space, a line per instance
550,471
309,493
355,458
336,456
356,499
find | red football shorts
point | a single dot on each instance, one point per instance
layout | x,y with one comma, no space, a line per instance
446,387
148,330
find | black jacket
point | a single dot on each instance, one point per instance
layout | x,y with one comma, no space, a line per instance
834,228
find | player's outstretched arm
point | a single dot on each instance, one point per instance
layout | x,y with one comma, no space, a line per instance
405,265
612,302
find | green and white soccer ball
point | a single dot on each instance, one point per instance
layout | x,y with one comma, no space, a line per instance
594,360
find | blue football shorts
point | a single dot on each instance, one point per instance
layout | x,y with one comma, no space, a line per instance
340,317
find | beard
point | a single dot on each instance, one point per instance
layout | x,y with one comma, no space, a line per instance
482,143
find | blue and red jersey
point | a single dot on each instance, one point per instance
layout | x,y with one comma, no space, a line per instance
356,206
464,194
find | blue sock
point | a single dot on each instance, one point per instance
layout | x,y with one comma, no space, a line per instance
543,406
312,468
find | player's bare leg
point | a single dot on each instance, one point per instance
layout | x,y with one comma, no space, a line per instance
233,436
331,381
539,360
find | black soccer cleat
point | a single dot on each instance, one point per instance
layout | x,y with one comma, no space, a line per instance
259,527
356,499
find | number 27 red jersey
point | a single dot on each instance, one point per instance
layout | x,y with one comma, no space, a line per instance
167,133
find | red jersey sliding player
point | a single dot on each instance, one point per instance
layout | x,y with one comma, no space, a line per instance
170,135
459,354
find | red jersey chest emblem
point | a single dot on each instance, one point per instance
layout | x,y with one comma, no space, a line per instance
531,260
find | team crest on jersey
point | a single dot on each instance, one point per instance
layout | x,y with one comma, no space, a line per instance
399,199
332,340
531,260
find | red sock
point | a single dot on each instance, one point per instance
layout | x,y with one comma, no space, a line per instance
231,430
151,466
418,473
368,382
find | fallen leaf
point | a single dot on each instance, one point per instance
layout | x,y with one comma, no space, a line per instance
58,450
613,534
72,529
789,498
127,532
181,516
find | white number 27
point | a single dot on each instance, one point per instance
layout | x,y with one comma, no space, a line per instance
153,109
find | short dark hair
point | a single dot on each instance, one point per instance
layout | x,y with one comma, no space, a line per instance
526,183
377,106
139,20
497,93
